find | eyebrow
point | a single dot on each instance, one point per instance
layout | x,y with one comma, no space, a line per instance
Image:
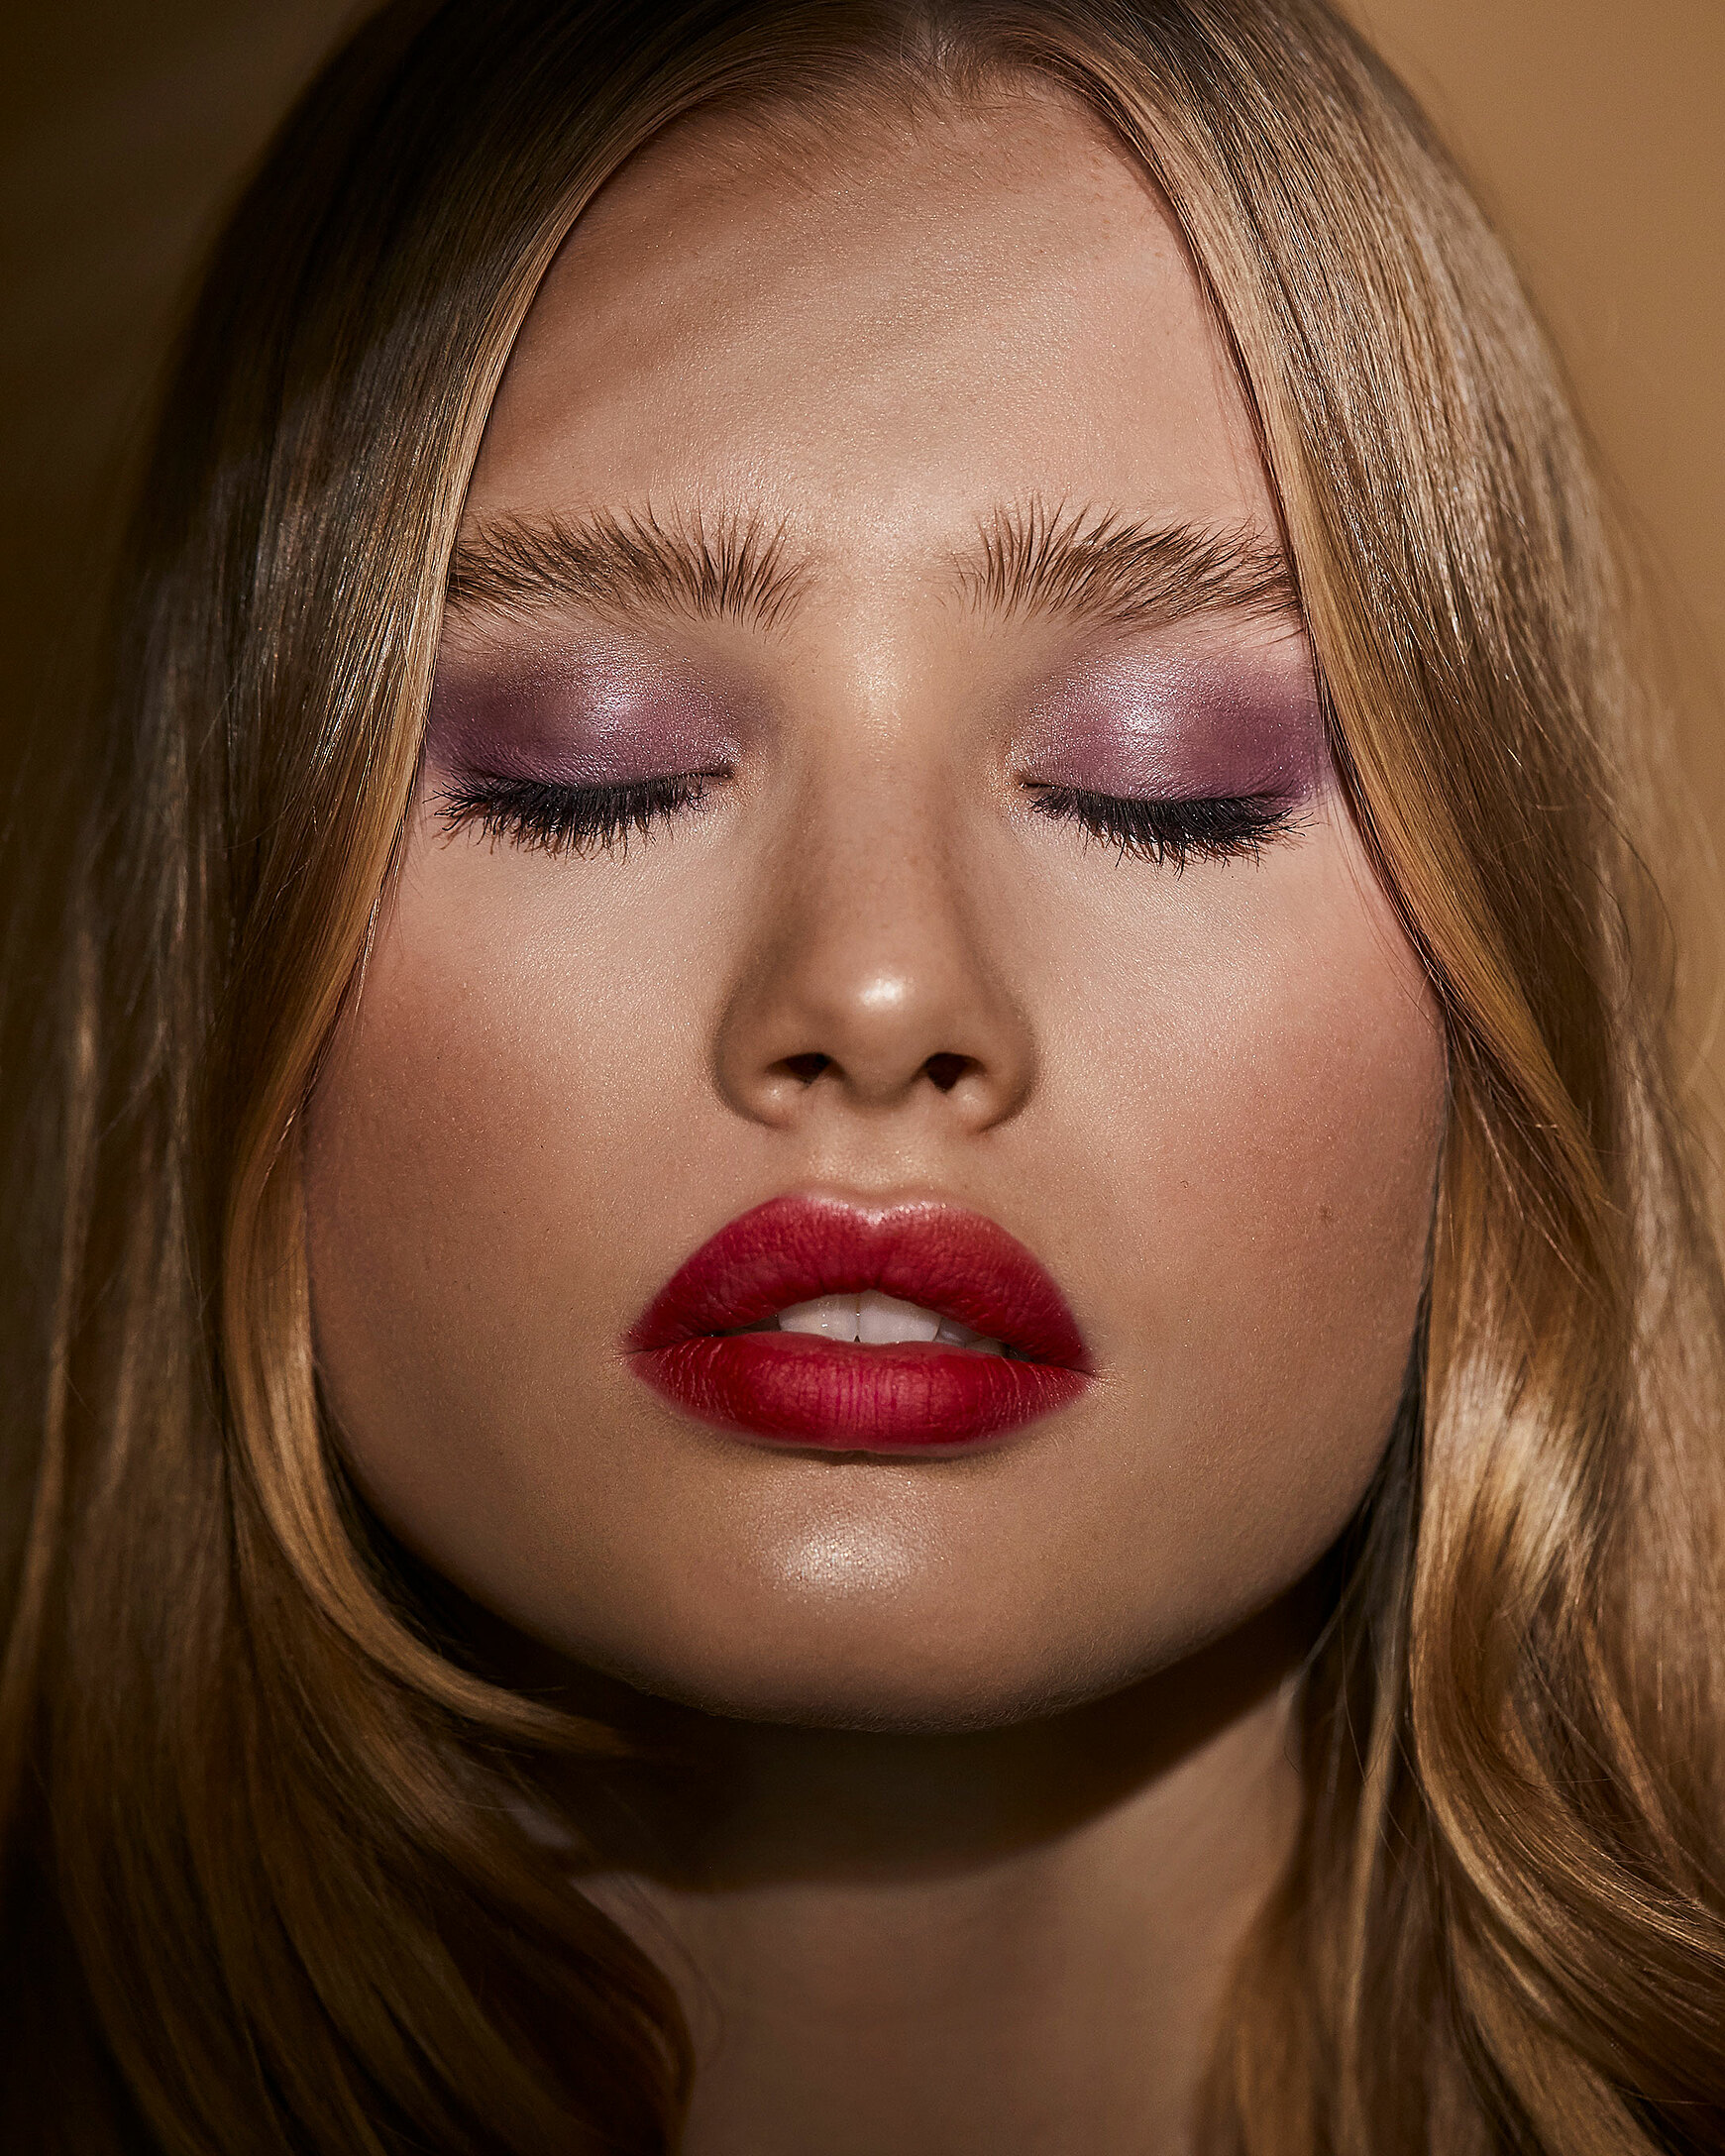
1087,565
728,567
1093,565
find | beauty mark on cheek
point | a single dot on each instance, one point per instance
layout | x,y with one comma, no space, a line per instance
598,717
1180,728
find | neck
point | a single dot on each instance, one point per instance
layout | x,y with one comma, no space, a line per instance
1011,1940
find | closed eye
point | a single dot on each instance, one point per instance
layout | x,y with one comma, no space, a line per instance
544,816
1175,831
541,815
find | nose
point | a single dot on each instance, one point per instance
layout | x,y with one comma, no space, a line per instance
869,980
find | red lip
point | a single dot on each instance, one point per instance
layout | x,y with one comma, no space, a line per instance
797,1389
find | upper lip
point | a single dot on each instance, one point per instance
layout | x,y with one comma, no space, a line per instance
792,1249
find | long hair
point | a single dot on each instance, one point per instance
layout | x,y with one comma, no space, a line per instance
266,1880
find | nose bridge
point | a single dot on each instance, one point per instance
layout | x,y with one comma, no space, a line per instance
871,974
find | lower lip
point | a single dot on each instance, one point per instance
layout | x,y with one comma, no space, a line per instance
795,1388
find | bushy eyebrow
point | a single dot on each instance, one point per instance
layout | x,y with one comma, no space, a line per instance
1085,565
718,568
1093,565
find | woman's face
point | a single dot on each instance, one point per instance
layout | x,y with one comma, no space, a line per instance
874,774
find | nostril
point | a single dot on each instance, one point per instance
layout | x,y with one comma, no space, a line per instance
946,1070
807,1068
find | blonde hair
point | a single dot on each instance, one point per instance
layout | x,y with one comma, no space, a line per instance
265,1884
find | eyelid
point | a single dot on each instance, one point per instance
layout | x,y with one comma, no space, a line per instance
1177,722
592,713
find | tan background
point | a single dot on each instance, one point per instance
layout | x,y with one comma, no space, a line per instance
1593,128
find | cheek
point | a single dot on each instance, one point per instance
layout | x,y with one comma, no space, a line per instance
516,1085
1274,1129
515,1074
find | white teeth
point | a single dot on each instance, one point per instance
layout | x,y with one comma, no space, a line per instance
878,1320
883,1319
833,1317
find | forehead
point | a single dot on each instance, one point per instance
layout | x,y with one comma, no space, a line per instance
872,328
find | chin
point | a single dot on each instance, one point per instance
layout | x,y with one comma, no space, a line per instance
865,1696
858,1668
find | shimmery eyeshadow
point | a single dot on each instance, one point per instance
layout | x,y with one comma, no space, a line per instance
1181,726
600,713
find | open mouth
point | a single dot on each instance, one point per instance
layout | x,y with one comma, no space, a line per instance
876,1320
917,1328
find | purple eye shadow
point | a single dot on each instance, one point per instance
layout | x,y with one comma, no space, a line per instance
1181,726
600,715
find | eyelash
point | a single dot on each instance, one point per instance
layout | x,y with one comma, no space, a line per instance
585,820
1171,831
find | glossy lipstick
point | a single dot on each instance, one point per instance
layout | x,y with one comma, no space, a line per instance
701,1342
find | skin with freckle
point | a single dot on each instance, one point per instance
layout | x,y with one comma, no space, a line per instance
1206,1096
